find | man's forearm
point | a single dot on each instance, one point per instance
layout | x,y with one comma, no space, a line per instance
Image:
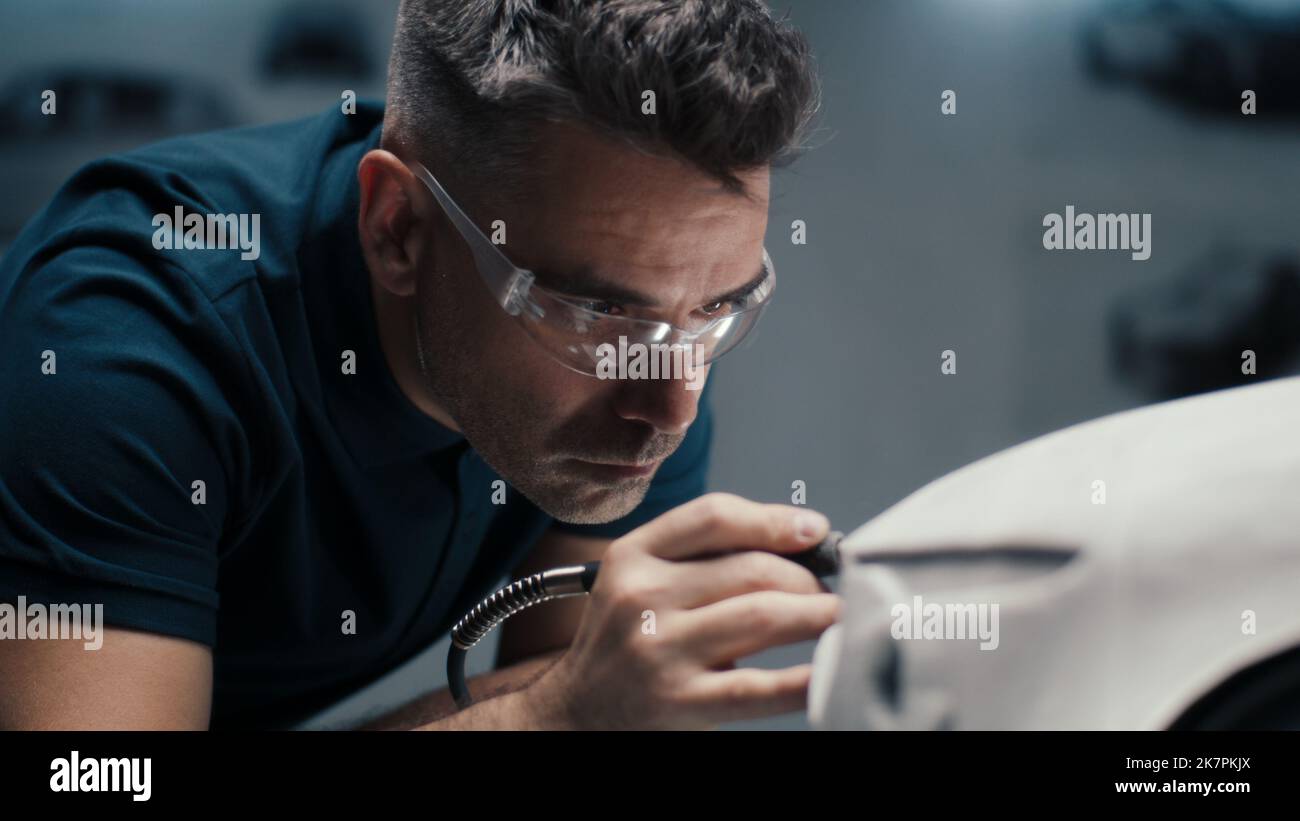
499,703
521,709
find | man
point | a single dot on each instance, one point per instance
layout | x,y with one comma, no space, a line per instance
286,465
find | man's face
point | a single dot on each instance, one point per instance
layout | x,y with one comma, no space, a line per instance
605,216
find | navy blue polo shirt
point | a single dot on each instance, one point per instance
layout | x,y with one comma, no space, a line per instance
128,373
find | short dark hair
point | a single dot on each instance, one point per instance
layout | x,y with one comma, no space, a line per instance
735,89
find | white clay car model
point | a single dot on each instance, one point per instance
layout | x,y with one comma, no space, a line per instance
1138,571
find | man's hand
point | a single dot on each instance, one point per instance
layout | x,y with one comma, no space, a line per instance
708,572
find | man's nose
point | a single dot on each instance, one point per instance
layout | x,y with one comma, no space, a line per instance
668,405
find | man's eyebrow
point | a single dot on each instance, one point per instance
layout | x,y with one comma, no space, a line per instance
583,282
743,291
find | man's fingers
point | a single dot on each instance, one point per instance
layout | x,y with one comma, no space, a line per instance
700,582
749,692
721,521
743,625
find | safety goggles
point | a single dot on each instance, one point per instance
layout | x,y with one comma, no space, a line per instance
575,334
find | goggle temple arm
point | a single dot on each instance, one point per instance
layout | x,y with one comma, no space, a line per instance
509,285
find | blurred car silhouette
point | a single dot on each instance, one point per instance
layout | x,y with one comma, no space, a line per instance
1201,53
315,40
1185,334
98,101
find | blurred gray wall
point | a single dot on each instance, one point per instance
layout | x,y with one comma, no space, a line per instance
923,234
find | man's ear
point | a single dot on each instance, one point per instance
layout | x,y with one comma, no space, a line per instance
393,222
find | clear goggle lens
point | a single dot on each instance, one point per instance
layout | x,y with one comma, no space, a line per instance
578,336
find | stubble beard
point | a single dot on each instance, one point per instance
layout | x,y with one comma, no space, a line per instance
512,433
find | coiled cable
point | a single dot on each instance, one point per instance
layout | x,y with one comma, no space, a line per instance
556,583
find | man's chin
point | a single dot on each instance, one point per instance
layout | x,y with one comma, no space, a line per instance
583,502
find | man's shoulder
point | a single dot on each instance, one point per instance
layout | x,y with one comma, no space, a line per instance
183,222
129,248
270,164
138,202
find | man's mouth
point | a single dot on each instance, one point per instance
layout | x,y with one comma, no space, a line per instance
620,470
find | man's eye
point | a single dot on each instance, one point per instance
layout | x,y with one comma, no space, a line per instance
603,307
715,308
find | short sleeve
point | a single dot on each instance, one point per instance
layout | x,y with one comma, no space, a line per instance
113,411
681,478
